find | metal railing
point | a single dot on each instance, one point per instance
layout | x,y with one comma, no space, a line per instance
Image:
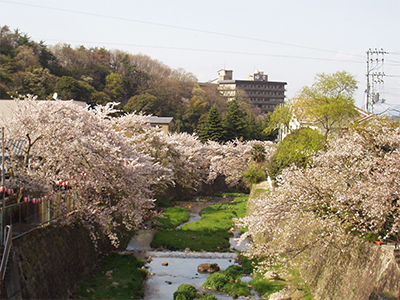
6,252
28,216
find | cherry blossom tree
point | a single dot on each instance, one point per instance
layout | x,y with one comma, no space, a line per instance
233,158
111,166
350,189
188,160
109,180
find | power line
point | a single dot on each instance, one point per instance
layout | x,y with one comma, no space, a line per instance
178,27
208,50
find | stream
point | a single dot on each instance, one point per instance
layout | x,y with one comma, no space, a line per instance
168,269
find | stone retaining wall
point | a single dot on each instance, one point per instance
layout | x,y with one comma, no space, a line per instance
50,262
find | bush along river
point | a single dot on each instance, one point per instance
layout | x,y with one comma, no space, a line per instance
191,253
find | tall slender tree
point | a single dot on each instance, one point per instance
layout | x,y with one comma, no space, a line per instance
234,122
211,129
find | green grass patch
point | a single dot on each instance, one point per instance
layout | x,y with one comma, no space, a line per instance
266,287
219,217
173,216
121,277
247,264
257,192
300,284
196,240
210,233
228,194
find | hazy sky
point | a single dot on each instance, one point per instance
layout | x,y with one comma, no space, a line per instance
290,40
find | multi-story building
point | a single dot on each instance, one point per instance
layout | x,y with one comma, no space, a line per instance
263,94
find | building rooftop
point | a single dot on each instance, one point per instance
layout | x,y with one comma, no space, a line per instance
159,120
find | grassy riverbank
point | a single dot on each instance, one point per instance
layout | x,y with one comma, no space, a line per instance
120,276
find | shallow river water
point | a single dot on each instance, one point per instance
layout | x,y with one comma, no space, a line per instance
167,270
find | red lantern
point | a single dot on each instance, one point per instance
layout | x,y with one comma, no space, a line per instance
26,199
2,189
10,192
65,183
46,198
34,200
40,200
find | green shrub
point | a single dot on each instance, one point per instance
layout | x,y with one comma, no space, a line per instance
206,296
255,173
216,281
228,281
296,148
185,292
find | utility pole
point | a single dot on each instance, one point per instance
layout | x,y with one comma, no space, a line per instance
375,74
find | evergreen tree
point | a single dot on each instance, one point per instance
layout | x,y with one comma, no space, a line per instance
212,129
254,128
234,123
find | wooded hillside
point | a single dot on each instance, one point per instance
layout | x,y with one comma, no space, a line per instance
98,76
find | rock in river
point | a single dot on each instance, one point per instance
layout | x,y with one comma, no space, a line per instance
208,268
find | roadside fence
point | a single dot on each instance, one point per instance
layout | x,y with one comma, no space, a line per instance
29,212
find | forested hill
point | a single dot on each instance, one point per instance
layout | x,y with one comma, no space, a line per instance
97,76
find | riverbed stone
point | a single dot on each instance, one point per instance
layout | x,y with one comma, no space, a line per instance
165,264
208,268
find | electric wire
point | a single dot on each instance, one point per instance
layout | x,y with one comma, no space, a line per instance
177,27
213,51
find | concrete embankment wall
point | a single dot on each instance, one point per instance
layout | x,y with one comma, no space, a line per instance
50,262
370,270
